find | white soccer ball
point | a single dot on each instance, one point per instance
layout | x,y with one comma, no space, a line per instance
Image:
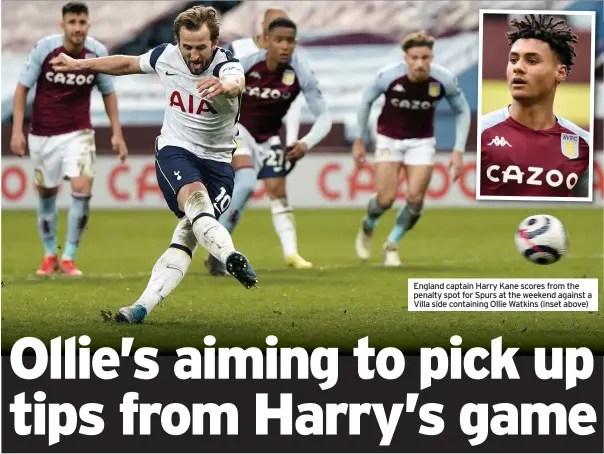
542,239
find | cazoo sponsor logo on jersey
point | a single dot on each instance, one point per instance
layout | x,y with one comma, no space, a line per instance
267,93
413,104
70,78
534,176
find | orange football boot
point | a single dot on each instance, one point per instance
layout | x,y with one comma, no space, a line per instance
49,265
68,267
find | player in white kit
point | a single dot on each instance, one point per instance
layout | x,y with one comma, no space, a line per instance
246,166
203,85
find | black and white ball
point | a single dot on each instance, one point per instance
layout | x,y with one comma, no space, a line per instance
542,239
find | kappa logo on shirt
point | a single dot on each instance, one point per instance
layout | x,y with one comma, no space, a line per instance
500,142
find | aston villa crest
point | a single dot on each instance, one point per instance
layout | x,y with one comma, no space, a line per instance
569,143
434,89
289,77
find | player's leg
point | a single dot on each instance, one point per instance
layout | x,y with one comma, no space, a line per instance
419,164
78,165
273,172
207,206
201,190
167,273
387,168
245,179
46,159
245,185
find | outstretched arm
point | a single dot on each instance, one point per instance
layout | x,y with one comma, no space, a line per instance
115,65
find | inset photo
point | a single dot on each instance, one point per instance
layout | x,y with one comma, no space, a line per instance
536,105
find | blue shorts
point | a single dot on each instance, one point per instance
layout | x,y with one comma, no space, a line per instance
176,167
275,165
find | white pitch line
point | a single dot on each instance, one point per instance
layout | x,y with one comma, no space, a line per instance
94,276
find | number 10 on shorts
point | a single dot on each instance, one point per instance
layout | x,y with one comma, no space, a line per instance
222,201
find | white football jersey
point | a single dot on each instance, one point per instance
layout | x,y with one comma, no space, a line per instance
244,46
206,128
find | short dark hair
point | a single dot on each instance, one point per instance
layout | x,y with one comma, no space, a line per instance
282,22
75,8
558,35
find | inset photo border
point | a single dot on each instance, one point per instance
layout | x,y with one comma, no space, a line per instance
506,110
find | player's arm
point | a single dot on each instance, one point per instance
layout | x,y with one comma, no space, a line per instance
227,80
292,121
114,65
28,78
316,104
463,114
370,94
232,79
17,143
581,189
106,85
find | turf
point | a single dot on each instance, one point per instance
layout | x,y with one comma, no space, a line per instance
335,304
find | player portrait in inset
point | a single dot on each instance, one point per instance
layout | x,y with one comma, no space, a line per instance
535,123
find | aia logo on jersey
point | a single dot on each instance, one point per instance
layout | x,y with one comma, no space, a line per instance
569,143
413,104
190,104
69,78
533,177
267,93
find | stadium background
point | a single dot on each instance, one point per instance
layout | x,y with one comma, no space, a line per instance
345,53
339,300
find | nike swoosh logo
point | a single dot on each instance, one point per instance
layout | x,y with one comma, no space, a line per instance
170,74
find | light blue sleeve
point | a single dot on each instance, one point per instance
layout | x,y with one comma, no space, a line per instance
309,85
379,85
315,101
458,102
104,82
248,61
33,66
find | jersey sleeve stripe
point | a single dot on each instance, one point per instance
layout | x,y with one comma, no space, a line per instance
156,53
491,119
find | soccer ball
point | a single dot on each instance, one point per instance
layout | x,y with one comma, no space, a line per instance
541,239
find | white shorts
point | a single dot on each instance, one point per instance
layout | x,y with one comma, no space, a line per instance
411,152
259,152
66,156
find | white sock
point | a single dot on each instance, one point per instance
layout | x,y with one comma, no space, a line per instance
283,221
209,232
171,266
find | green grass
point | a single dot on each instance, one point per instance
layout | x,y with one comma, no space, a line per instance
335,304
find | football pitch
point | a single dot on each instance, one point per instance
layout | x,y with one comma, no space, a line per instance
334,304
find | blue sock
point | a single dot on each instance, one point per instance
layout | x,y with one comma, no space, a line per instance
406,218
47,223
397,232
245,185
374,212
77,219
